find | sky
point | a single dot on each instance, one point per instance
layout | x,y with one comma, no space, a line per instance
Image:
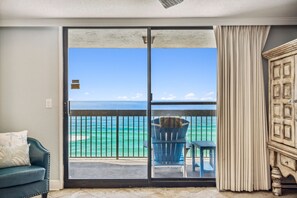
120,74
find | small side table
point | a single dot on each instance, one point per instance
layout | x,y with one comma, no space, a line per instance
203,145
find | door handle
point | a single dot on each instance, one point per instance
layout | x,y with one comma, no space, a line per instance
67,108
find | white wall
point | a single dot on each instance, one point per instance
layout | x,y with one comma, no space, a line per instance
29,73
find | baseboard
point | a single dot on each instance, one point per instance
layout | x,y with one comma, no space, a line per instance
55,185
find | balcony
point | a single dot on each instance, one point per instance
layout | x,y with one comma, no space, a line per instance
103,142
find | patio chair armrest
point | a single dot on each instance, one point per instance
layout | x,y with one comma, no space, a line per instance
169,141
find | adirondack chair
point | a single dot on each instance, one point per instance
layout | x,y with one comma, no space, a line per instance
169,142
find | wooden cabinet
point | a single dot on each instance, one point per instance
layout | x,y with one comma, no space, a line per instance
282,143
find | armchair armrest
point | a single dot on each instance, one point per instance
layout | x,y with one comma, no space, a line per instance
39,155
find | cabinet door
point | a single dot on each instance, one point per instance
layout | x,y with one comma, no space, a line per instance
282,76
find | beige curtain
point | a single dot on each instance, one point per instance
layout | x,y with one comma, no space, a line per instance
242,157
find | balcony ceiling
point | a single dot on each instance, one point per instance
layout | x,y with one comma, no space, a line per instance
132,38
66,9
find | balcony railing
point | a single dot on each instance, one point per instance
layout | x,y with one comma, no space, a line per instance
122,133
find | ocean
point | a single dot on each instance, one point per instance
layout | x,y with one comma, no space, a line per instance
131,105
125,136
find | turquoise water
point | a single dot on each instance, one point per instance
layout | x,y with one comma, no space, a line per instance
95,136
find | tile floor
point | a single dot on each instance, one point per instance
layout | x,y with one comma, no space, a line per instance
160,193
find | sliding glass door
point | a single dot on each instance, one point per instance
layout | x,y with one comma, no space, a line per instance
138,105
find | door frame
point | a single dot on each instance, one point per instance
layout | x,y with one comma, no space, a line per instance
103,183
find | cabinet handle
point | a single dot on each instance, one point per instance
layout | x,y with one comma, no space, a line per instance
292,101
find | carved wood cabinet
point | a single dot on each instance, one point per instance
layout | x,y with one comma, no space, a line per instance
282,142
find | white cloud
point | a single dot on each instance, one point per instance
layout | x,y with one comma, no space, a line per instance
211,93
210,96
87,93
123,97
137,96
190,96
207,99
169,97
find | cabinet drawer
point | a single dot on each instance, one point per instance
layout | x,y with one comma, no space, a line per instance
288,162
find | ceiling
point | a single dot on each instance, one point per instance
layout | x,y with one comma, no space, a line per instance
53,9
133,38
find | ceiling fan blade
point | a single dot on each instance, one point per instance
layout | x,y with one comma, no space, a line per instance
169,3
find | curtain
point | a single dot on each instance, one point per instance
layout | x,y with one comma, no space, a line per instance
242,155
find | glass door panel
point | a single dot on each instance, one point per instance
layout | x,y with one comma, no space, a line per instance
107,78
183,81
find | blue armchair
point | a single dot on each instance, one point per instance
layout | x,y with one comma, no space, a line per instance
27,181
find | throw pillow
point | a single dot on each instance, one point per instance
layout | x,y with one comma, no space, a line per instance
13,138
14,156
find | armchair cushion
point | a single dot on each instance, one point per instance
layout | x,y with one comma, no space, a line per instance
19,175
14,156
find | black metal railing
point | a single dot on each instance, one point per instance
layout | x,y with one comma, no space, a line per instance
122,133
